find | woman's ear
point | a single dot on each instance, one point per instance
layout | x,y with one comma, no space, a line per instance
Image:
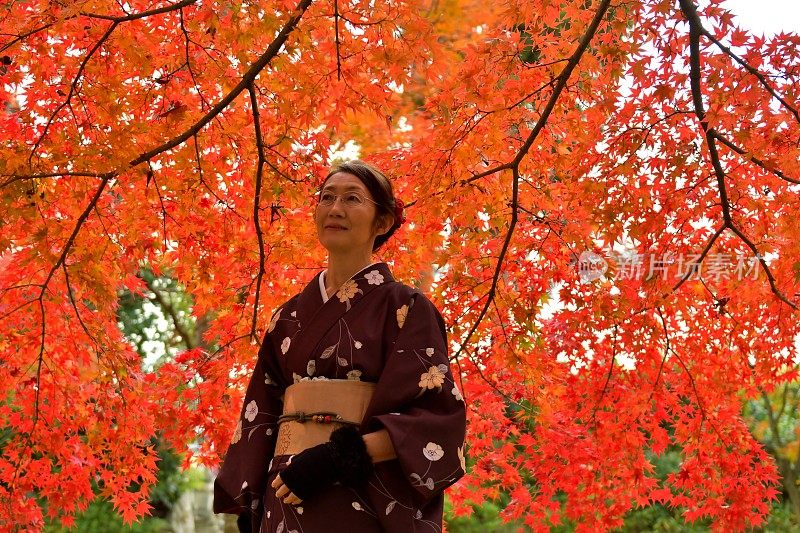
383,224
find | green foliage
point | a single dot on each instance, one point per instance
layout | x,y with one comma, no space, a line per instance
781,405
100,517
171,480
781,520
659,519
156,323
485,518
149,323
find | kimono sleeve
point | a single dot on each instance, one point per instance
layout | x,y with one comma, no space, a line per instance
241,482
418,402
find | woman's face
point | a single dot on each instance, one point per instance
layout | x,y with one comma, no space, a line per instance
347,229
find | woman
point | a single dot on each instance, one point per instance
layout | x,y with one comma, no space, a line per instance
352,420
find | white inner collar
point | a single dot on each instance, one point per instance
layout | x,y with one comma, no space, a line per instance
322,286
322,290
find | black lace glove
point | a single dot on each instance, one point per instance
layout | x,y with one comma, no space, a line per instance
244,523
343,458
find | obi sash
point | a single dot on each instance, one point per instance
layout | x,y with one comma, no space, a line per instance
312,410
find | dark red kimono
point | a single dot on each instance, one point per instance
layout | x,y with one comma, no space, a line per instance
373,329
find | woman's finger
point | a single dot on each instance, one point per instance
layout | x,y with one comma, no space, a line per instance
282,491
292,499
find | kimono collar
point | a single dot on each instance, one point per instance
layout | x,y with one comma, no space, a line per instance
316,316
323,291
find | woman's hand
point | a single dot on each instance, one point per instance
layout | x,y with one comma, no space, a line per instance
343,458
282,490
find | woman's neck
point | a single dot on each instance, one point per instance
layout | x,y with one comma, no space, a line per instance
340,269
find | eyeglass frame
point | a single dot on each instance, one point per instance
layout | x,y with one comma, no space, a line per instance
336,197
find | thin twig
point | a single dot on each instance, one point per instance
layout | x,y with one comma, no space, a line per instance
72,88
749,68
610,373
249,77
753,159
563,77
336,30
256,203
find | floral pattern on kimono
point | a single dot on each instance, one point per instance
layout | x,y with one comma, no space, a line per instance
373,329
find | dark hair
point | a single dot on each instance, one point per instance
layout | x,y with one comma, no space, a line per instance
379,187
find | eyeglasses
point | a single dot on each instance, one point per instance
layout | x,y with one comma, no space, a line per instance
350,199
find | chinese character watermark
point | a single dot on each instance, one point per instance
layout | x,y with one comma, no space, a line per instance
633,265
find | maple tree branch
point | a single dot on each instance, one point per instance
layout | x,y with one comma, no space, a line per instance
22,36
753,159
115,21
18,307
719,303
750,69
697,29
648,130
72,88
470,125
663,358
496,276
198,159
249,77
689,11
529,95
271,149
492,385
764,265
39,362
141,15
336,30
703,414
151,175
256,203
696,264
493,170
121,5
209,355
608,376
19,177
71,240
503,329
186,42
59,263
71,295
354,23
203,181
563,77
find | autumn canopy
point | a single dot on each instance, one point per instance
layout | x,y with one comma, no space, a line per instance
602,200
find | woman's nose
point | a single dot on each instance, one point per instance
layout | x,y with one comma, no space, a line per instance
337,206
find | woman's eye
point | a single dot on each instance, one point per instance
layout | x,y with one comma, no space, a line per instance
352,199
326,198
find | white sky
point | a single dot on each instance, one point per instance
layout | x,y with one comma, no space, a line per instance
766,16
